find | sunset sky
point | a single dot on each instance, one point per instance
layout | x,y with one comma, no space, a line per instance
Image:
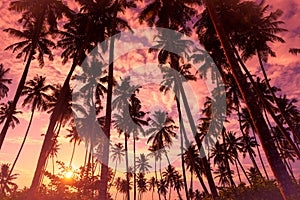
284,71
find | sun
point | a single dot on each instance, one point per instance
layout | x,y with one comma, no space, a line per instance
69,174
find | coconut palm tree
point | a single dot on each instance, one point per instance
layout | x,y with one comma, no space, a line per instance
142,185
152,183
38,96
117,155
125,96
161,132
37,16
278,168
6,180
258,36
162,188
142,164
4,81
193,163
173,179
4,112
74,138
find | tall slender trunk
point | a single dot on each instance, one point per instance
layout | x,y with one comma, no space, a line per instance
23,142
265,104
244,171
73,152
47,144
278,146
226,159
286,186
296,133
127,167
206,165
201,180
134,169
244,137
182,132
238,171
104,166
22,82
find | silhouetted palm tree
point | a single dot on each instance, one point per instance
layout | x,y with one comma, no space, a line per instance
142,185
4,112
4,81
7,185
38,97
278,168
194,164
74,138
36,17
118,152
142,164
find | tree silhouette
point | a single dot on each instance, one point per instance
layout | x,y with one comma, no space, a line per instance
4,81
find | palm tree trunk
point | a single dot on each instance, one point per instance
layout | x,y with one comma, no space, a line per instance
282,112
127,167
198,142
22,82
244,137
243,169
201,181
104,167
134,170
182,129
238,171
47,144
285,183
23,142
270,111
72,155
280,150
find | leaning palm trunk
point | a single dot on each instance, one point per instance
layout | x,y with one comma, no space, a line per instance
23,78
47,144
265,104
23,142
198,141
286,186
182,132
282,112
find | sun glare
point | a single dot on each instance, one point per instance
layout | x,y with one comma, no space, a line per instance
69,174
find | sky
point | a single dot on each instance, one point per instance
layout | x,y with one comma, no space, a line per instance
284,71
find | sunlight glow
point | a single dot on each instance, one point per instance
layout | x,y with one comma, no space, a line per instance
69,174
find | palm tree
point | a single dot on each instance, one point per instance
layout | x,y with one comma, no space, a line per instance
6,180
4,112
35,16
258,36
222,158
74,138
125,96
166,14
3,82
38,98
142,184
193,163
278,168
117,155
161,131
173,179
152,182
162,188
142,164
